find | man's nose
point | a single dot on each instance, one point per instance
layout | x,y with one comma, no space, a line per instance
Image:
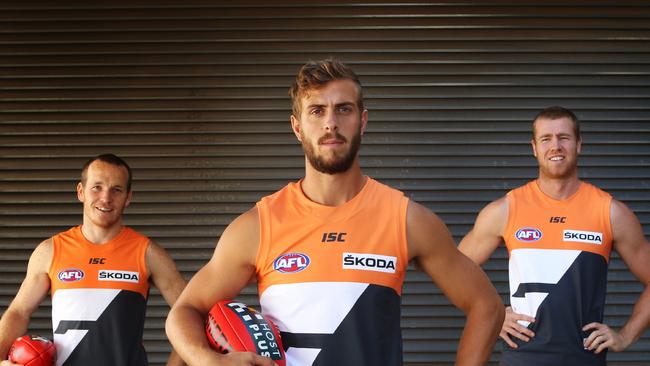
106,195
331,122
555,143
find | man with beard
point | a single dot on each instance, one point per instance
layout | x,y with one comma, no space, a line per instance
559,232
330,252
99,275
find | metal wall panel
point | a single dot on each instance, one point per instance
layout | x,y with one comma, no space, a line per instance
193,95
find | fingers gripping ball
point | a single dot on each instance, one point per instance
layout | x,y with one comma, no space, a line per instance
32,351
234,327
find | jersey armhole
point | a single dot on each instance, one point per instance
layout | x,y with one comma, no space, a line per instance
53,261
143,258
607,215
265,230
512,211
403,238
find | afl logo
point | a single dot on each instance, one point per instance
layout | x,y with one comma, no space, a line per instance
71,275
528,234
291,262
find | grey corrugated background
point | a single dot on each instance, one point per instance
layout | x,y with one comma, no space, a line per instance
193,95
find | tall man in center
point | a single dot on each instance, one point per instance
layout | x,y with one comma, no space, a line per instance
330,251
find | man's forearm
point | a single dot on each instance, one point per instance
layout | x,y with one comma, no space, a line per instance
481,331
184,328
12,326
174,359
639,320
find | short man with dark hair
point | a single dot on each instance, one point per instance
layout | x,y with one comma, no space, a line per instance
330,252
559,232
99,274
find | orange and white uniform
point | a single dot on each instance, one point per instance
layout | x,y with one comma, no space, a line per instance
331,277
559,251
99,296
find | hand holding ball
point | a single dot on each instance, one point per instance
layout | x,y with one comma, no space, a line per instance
234,327
32,351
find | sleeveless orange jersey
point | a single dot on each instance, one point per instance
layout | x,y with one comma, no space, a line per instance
99,295
331,277
559,251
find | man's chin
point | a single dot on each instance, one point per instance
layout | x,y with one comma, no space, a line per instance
105,222
559,174
331,169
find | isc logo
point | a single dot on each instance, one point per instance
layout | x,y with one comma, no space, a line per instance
291,262
528,234
333,237
70,275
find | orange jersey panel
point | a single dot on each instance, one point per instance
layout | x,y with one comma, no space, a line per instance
363,240
580,222
117,264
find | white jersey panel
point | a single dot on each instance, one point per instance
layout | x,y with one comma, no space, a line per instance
536,266
77,305
313,307
301,356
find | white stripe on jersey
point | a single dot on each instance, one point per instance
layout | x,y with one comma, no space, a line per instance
77,304
536,266
298,356
310,307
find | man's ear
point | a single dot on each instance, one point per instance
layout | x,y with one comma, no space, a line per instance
364,120
80,192
128,199
295,126
532,143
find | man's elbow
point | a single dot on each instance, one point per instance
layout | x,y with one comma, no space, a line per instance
489,309
173,322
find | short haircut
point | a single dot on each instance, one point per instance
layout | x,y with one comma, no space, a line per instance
557,112
315,74
109,159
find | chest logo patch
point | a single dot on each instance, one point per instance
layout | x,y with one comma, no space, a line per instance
588,237
119,276
528,234
70,275
291,262
369,262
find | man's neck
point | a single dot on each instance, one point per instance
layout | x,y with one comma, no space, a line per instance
560,188
100,235
333,189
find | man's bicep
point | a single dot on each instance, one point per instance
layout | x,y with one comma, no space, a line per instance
164,274
486,235
231,267
36,284
630,242
461,280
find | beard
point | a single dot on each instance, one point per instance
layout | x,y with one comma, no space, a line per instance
559,172
339,163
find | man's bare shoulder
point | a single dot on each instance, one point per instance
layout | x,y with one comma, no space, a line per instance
497,207
42,255
241,238
247,221
416,210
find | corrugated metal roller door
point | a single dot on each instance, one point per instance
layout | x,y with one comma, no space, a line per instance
193,95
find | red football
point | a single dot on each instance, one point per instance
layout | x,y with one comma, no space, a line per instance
234,327
32,351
